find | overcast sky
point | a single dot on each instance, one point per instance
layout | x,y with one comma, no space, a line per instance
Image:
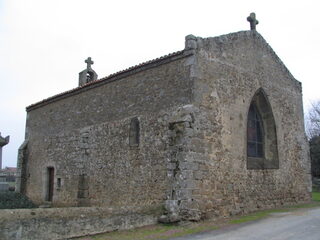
43,43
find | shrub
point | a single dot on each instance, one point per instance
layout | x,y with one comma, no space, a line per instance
11,200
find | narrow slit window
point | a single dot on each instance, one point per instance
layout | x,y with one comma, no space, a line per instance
58,182
134,132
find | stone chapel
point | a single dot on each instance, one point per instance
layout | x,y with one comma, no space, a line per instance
215,129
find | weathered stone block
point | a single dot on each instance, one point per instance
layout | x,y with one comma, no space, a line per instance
189,165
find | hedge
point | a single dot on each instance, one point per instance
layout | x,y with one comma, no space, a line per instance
11,200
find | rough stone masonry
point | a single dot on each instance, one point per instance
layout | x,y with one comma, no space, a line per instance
213,130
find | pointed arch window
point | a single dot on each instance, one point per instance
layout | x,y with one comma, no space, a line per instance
262,148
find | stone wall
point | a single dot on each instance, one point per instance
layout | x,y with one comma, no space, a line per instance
151,90
64,223
230,70
115,174
85,138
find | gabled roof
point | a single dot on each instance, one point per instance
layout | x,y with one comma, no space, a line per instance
113,77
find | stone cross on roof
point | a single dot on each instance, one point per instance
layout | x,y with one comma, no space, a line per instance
88,74
89,62
253,21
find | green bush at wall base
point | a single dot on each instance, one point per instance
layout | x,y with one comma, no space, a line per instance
316,196
11,200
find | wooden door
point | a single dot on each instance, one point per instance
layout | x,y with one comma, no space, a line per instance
50,183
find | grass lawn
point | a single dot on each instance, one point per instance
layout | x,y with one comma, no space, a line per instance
316,196
163,231
154,232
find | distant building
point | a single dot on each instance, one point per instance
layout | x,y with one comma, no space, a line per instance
8,178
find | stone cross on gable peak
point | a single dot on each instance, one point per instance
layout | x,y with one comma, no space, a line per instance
89,62
253,21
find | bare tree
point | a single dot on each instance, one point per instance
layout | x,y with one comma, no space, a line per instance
313,120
